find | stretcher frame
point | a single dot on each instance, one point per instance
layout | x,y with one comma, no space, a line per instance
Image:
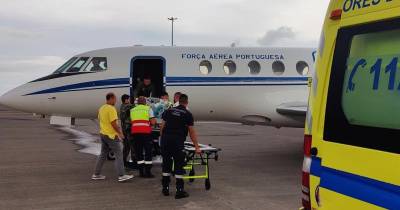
195,160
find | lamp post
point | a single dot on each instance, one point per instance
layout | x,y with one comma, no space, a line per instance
172,19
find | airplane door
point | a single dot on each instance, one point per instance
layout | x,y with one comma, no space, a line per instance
152,67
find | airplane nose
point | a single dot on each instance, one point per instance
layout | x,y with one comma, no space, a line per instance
5,100
10,99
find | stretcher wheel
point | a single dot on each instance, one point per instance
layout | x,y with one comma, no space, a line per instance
207,184
110,156
191,173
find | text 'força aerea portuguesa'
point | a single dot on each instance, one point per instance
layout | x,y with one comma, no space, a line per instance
223,56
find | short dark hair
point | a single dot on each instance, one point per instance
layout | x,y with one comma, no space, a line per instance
141,100
110,96
164,93
124,98
177,94
183,99
146,76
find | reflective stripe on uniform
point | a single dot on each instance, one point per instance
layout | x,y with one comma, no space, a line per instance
140,124
148,162
178,176
166,174
140,120
141,162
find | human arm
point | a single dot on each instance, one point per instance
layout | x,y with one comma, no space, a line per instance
153,121
117,129
138,87
193,137
113,117
162,125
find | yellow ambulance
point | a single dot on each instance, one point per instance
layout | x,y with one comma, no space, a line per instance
352,134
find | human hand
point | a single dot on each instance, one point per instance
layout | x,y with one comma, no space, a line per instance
121,136
198,150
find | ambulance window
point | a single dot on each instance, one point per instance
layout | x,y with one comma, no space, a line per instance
302,68
364,90
278,67
370,78
77,65
254,67
65,65
205,67
97,64
229,67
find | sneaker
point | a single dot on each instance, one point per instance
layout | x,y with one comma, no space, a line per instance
181,194
98,177
125,178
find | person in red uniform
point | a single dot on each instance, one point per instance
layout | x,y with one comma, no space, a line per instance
142,118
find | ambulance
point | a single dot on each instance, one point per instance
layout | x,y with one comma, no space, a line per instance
352,132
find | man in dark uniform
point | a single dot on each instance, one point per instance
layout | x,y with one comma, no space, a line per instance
124,115
177,123
145,88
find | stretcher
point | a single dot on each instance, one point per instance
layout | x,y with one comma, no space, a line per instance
202,160
193,160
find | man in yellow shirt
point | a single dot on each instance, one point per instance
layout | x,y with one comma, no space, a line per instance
111,140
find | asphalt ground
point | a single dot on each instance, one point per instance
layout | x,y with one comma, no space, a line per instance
41,168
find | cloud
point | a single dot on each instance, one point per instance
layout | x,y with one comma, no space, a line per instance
16,33
273,37
36,36
16,71
235,43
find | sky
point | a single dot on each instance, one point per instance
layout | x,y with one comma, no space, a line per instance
37,36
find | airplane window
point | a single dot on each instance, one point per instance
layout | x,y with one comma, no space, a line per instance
254,67
97,64
302,68
229,67
278,67
77,65
205,67
65,65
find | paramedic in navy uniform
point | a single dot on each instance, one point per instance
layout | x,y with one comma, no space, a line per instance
177,123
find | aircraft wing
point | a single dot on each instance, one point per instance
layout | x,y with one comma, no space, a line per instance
293,109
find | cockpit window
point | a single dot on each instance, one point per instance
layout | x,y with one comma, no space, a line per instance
96,64
65,65
76,67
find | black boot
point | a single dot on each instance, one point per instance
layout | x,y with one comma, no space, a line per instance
133,165
165,184
141,170
180,191
148,173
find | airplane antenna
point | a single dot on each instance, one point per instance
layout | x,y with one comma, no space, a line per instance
172,19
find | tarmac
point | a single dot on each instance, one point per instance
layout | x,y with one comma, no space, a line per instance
41,168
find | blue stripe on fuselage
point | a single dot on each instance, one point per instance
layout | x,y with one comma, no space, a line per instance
181,81
234,79
78,86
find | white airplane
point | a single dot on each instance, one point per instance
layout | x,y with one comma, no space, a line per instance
263,86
